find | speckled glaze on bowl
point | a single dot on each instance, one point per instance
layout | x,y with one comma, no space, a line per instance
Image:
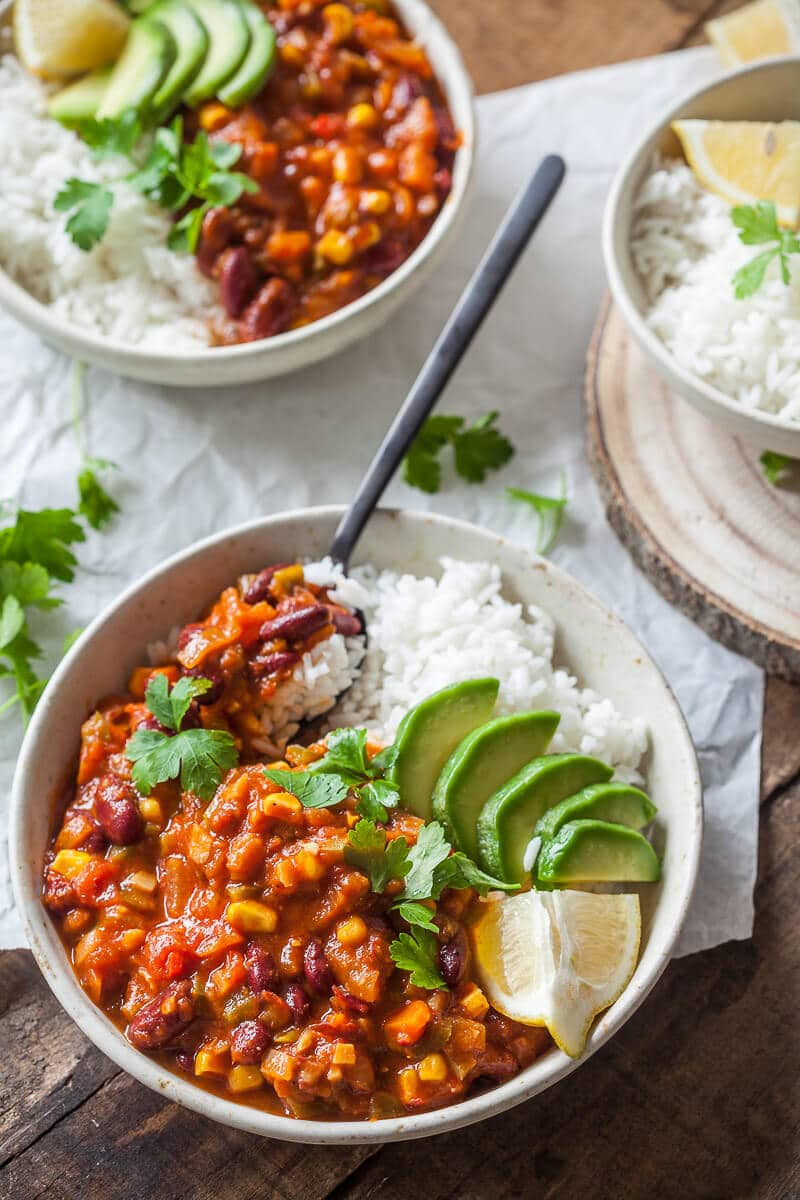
765,91
594,643
266,359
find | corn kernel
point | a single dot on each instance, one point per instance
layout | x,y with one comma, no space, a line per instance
213,116
473,1002
280,805
250,916
287,578
211,1060
308,865
345,1054
432,1068
244,1079
338,21
336,247
352,931
367,235
362,116
151,810
70,863
293,56
408,1085
375,201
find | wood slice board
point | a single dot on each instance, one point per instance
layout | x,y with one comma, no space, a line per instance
691,504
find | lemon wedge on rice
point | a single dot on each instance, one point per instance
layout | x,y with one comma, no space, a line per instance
58,38
557,958
746,161
758,30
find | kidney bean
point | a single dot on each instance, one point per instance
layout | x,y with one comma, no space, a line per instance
59,893
262,974
249,1042
384,257
453,959
347,623
270,664
270,312
295,625
238,279
94,842
215,678
186,635
216,232
495,1064
161,1019
315,967
259,589
185,1060
297,1000
117,812
408,88
343,1000
443,180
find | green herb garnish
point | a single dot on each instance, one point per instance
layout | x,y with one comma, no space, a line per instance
381,860
550,511
94,502
89,206
113,136
758,225
313,791
477,449
200,756
775,466
418,953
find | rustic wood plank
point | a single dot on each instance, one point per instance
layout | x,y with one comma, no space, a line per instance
780,747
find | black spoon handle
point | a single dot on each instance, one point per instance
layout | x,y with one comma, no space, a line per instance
477,298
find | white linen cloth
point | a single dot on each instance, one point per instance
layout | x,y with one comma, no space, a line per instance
196,461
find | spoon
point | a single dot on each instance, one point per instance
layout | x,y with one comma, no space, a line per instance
508,243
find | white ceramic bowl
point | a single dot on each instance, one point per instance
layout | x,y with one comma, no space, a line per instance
227,365
766,91
591,640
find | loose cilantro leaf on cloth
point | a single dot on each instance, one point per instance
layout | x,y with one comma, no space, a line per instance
758,225
550,511
29,582
418,952
416,914
312,790
113,135
369,851
89,205
43,537
477,449
775,466
200,756
375,797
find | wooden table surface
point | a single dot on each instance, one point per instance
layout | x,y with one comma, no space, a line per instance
697,1097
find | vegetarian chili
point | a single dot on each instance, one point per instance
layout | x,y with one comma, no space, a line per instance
233,937
352,145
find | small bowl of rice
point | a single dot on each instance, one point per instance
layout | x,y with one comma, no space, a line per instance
671,250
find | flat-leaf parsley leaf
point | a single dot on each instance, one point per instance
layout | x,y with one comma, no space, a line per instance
775,466
418,953
550,511
477,449
312,790
89,206
369,851
758,225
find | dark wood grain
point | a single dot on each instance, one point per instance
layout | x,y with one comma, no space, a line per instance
696,1098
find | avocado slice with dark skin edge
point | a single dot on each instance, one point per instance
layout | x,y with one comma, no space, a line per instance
430,732
480,764
508,818
191,38
597,852
229,43
258,62
140,70
80,100
620,803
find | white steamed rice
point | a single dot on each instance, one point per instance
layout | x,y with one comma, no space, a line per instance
130,286
686,250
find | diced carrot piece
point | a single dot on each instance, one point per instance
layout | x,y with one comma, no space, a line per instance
406,1026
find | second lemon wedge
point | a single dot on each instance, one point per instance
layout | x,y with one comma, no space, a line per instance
557,958
757,30
746,161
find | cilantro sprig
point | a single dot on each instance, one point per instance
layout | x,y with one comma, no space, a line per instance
344,768
549,509
758,225
477,449
776,467
199,756
418,953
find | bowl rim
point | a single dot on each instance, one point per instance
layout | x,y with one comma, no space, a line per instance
455,81
543,1073
634,319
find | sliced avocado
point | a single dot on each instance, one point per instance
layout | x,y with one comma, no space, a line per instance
430,732
507,819
617,802
258,62
482,763
81,100
229,42
597,852
192,42
139,72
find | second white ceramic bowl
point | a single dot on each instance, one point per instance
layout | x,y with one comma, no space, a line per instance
227,365
766,91
595,645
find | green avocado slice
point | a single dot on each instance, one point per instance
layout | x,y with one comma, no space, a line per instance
428,734
507,819
620,803
597,852
191,38
482,763
229,42
81,100
140,70
258,62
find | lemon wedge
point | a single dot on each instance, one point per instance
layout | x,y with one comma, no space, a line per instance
56,38
557,958
758,30
746,161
